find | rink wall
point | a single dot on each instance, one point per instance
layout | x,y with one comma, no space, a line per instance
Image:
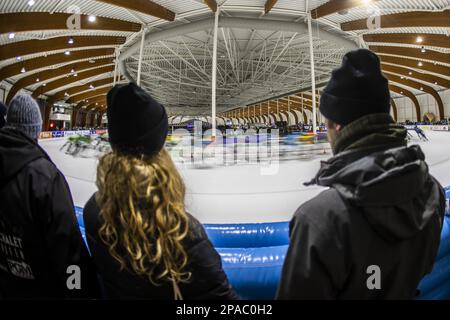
253,257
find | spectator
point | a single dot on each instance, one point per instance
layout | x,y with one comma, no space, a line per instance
39,234
3,111
375,232
144,243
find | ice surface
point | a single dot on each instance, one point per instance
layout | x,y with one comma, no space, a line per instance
240,194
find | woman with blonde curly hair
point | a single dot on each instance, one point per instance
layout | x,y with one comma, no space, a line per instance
144,243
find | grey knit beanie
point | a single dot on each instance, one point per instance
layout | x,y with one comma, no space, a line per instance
24,115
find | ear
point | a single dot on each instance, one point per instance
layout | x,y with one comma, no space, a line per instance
338,127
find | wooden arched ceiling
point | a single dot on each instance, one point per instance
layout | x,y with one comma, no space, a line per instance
101,99
62,82
410,95
52,60
426,77
404,20
426,66
53,73
394,109
63,94
269,5
429,39
44,21
413,53
144,6
89,95
22,48
334,6
212,4
418,86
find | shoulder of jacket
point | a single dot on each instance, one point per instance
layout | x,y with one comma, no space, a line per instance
43,167
326,207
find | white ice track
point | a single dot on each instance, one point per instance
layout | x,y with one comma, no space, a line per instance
240,194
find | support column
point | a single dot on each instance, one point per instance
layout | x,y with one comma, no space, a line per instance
214,72
313,72
74,117
116,54
141,52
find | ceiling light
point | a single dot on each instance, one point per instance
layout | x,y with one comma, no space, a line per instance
31,3
75,74
91,61
23,70
420,64
91,87
44,84
66,94
419,39
435,82
37,80
18,58
402,77
11,35
92,18
67,53
421,88
72,71
71,41
410,73
423,50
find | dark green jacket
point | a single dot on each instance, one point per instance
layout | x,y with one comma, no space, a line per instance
382,210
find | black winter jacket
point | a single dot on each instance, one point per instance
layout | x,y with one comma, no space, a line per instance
381,216
39,234
208,280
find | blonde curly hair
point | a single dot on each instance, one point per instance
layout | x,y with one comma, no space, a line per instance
143,213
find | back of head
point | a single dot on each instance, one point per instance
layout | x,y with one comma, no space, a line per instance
24,115
141,192
356,89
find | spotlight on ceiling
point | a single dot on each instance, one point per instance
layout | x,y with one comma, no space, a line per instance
71,41
92,18
419,39
420,64
423,50
11,35
67,53
23,70
31,3
18,58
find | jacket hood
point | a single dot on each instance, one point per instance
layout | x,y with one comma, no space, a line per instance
390,184
16,151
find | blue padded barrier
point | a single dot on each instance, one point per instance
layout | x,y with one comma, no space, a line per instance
254,272
439,276
248,235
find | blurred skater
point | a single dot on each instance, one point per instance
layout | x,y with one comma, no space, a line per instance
39,234
420,133
375,233
144,243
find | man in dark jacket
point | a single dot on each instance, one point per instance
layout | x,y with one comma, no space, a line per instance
375,232
42,253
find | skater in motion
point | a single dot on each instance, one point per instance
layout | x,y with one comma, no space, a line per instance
420,134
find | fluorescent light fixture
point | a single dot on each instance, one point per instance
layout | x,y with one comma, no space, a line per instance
11,35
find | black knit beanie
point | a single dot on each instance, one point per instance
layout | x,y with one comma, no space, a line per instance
356,89
137,124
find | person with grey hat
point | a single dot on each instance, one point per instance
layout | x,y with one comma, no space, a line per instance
375,232
3,111
39,235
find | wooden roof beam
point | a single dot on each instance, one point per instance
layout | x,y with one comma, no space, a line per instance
144,6
335,6
410,95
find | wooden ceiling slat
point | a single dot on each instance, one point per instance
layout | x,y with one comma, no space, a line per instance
43,21
52,60
428,39
432,79
89,95
69,80
212,4
61,95
403,20
144,6
413,53
269,5
54,73
334,6
427,66
419,86
408,94
23,48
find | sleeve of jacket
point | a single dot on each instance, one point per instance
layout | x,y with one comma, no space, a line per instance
64,243
314,268
208,272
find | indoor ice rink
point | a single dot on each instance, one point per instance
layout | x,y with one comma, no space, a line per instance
230,65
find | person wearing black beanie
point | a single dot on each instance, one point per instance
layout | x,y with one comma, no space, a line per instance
374,233
144,243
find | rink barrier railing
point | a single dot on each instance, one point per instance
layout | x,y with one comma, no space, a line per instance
253,256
